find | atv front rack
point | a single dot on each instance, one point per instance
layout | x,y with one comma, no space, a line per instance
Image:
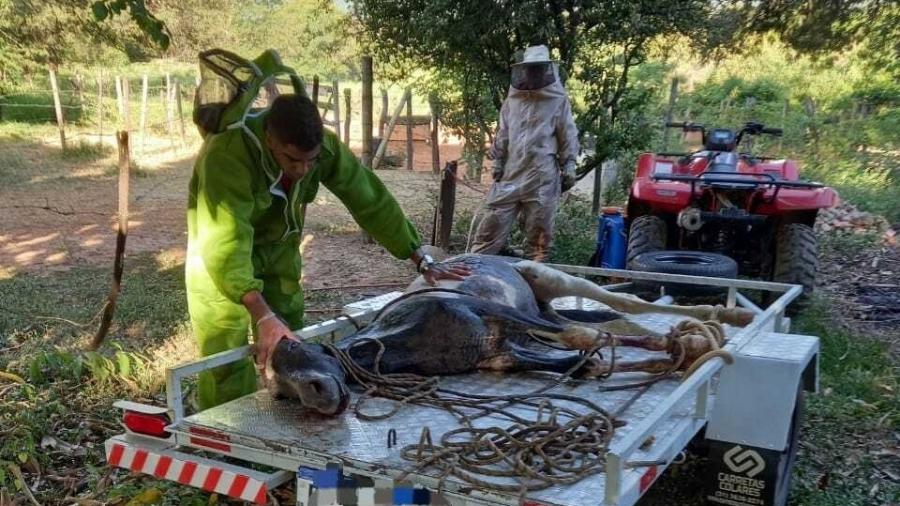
736,178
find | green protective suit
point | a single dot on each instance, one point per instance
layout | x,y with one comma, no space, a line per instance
243,235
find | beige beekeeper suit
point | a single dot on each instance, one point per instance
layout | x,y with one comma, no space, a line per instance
536,144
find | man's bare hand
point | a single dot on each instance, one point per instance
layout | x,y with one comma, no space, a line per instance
438,272
269,333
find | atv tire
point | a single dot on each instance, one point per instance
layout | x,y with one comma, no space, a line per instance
648,233
796,261
691,263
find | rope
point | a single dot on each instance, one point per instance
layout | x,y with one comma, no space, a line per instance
536,453
533,452
714,333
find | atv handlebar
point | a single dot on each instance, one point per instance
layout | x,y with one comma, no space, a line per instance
685,125
777,132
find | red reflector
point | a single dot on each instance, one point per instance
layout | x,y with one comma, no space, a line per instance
150,425
647,479
533,503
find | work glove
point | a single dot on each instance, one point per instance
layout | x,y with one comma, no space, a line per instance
497,170
568,176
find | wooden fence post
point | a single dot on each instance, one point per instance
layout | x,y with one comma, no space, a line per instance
57,104
119,104
315,92
447,204
382,147
145,89
126,105
170,111
382,121
100,104
367,111
435,141
168,104
162,100
347,116
784,112
409,131
180,113
336,107
673,96
119,261
79,86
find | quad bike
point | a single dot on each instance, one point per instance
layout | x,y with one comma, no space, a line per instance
721,212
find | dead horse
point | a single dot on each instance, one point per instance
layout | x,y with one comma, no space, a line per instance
488,321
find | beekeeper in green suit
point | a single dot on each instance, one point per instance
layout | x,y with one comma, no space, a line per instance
244,218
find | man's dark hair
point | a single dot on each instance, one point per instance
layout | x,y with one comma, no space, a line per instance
294,120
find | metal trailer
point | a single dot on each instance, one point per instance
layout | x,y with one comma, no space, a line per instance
746,414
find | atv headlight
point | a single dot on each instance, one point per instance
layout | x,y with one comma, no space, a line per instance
663,168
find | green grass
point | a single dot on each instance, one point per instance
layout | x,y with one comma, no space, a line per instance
856,416
68,393
38,107
86,151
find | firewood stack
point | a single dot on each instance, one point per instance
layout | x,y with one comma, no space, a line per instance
847,219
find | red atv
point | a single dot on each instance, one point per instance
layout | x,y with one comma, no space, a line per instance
720,211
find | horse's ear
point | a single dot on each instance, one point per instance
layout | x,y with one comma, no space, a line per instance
438,254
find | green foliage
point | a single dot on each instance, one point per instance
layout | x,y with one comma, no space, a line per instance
822,27
575,236
197,25
597,45
49,367
57,32
123,366
313,36
147,22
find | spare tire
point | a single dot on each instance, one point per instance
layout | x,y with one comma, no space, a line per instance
691,263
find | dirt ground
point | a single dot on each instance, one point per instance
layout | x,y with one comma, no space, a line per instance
67,217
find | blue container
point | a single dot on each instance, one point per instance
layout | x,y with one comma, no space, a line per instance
612,241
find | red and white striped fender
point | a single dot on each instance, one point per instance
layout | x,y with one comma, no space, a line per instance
187,469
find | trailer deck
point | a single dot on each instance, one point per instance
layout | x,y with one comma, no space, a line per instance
260,422
659,419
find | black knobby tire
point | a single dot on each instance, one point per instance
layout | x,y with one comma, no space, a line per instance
796,261
692,263
788,457
648,233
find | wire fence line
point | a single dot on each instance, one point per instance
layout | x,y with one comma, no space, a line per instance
148,109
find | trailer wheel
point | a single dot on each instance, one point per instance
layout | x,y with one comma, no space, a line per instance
648,233
789,456
692,263
796,261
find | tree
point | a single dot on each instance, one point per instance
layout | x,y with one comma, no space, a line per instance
36,34
468,46
311,35
193,26
818,26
